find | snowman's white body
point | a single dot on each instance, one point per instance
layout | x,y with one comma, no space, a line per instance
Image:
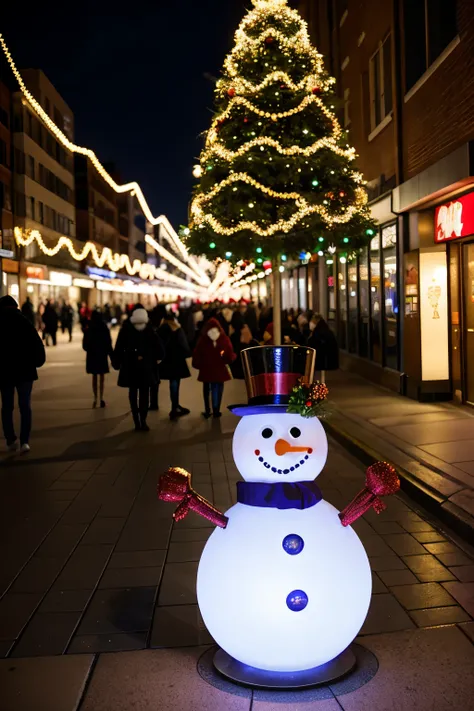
246,575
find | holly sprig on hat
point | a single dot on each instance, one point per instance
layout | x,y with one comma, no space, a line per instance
309,400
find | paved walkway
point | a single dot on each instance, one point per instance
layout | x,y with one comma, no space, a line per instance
431,444
98,606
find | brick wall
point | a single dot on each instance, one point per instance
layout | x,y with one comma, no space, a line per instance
440,115
367,23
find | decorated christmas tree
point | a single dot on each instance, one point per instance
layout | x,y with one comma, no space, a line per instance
276,174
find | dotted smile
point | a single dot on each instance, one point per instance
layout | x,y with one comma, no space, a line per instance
281,449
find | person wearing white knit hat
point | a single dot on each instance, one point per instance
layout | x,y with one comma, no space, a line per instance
136,355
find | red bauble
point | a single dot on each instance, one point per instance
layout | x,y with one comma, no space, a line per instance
246,120
308,403
231,92
269,40
317,91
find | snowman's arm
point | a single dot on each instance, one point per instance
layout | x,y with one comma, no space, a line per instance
381,480
175,485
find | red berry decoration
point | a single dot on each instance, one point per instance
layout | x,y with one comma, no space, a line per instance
231,92
317,91
308,403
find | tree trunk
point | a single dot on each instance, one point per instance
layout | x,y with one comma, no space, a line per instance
276,303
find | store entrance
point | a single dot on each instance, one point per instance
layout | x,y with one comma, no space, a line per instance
468,260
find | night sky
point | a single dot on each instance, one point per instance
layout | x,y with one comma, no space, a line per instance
135,82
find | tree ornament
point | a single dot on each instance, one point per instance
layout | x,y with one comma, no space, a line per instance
317,91
246,119
231,92
269,40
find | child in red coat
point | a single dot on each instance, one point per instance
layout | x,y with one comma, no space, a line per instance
212,355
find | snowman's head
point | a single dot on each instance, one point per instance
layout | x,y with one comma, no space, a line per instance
278,447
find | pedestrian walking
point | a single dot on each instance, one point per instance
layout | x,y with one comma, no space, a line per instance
323,340
212,357
84,316
136,355
28,311
173,366
67,319
22,352
240,341
98,346
50,321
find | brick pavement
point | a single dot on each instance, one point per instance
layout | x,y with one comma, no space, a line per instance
97,585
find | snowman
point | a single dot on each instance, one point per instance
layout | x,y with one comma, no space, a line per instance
284,584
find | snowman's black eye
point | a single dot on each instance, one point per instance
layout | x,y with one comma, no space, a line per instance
295,432
267,433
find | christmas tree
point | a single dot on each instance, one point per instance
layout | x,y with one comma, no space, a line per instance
276,174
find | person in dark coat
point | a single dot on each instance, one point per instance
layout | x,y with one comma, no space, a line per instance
251,319
98,346
157,314
28,311
136,355
50,320
212,356
240,341
21,353
323,340
173,367
67,319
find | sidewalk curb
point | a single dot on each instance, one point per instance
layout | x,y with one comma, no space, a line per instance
434,502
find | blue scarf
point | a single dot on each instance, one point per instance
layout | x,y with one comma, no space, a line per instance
282,495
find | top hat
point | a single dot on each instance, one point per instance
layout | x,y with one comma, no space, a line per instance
271,373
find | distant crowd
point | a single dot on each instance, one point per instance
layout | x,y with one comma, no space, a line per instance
152,346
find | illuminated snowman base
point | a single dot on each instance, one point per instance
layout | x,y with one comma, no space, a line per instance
284,591
260,679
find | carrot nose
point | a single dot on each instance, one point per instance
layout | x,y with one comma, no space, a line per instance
283,447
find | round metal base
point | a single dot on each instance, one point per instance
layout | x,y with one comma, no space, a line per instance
262,679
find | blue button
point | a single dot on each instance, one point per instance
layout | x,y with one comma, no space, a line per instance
293,544
297,600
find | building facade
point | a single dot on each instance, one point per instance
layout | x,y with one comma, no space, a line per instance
404,71
8,263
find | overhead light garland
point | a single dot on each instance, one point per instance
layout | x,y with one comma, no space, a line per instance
117,262
132,188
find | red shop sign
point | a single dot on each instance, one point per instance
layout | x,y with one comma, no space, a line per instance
455,219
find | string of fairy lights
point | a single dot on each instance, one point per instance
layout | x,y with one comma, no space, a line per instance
190,266
238,90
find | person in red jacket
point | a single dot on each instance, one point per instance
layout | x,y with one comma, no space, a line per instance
212,356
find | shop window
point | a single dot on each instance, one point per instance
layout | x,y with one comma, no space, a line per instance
364,304
342,301
430,26
375,301
352,299
380,83
302,290
389,256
